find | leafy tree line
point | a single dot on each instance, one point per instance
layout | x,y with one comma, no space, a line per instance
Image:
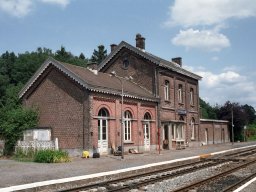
15,71
243,115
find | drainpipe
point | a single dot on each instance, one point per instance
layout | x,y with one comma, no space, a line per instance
213,127
199,114
158,122
83,125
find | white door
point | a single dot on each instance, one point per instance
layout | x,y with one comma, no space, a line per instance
147,136
103,136
206,136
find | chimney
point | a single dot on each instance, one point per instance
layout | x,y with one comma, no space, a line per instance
177,60
140,41
92,66
112,47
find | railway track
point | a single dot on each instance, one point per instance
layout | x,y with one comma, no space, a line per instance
217,177
147,180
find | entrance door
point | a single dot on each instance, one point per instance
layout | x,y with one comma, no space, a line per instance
147,136
206,136
103,131
102,136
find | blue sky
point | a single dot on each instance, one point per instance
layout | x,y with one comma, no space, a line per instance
215,38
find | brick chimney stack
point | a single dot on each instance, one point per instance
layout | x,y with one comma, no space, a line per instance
177,60
140,41
112,47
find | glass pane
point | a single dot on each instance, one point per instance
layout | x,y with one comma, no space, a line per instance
98,129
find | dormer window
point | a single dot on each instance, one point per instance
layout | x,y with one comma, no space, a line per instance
166,90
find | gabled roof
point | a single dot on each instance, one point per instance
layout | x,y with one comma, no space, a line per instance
100,82
154,59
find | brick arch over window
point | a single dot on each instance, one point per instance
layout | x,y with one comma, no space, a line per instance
104,106
147,116
103,112
130,110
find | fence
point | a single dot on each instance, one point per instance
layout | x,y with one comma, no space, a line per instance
35,144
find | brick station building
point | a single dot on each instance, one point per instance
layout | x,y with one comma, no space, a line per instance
82,106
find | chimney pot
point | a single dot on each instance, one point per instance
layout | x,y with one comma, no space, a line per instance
177,60
112,47
140,41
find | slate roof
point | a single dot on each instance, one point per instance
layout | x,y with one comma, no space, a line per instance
154,59
100,82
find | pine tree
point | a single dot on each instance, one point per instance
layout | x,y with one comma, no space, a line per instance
99,55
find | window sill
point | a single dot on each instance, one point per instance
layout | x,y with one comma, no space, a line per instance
128,142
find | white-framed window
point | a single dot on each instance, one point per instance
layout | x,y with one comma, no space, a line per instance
166,90
102,124
127,126
191,96
180,95
192,126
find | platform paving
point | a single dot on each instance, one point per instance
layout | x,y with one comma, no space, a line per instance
17,173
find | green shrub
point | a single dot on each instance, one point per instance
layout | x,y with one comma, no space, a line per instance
12,124
51,156
24,154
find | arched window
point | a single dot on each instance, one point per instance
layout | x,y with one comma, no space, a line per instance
192,126
103,112
127,126
166,90
191,96
102,124
180,95
147,116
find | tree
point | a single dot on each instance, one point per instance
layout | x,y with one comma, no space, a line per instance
12,125
251,113
207,111
99,55
239,118
81,56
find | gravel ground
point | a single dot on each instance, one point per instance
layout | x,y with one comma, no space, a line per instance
16,173
250,188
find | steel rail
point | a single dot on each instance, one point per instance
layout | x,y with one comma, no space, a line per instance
160,178
239,183
104,183
195,184
152,180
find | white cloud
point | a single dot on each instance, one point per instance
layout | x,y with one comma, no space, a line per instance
209,12
21,8
215,58
210,40
227,85
62,3
17,8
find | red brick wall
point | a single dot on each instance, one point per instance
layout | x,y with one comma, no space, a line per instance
217,132
139,69
137,109
168,111
60,103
